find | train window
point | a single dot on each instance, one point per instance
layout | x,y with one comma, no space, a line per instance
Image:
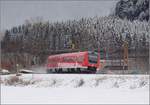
69,59
54,60
102,55
92,57
51,61
80,59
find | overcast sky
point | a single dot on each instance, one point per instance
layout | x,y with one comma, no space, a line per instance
15,13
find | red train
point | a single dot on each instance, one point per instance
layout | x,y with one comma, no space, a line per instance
78,62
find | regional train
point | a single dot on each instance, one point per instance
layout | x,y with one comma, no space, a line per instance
76,62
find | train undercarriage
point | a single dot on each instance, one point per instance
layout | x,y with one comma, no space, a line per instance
72,70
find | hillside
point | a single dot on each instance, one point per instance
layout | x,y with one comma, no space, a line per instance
133,9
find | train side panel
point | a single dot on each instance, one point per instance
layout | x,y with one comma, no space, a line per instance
67,60
76,61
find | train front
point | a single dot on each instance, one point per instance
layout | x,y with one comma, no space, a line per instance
93,61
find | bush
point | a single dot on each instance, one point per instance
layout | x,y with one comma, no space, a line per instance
1,81
81,82
12,80
116,85
15,80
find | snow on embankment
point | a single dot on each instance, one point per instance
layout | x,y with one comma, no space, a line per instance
77,80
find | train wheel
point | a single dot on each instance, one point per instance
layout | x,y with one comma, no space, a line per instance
49,71
69,70
92,69
56,70
72,70
78,70
60,70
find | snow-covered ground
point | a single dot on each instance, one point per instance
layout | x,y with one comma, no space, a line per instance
75,88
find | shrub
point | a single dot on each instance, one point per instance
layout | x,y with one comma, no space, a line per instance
1,81
81,82
11,80
15,80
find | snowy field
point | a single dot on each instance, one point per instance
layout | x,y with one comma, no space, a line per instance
75,89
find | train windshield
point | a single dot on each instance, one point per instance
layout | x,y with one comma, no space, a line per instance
92,57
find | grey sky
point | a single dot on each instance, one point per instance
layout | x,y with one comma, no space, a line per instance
15,13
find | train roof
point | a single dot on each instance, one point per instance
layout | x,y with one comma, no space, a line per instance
68,54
